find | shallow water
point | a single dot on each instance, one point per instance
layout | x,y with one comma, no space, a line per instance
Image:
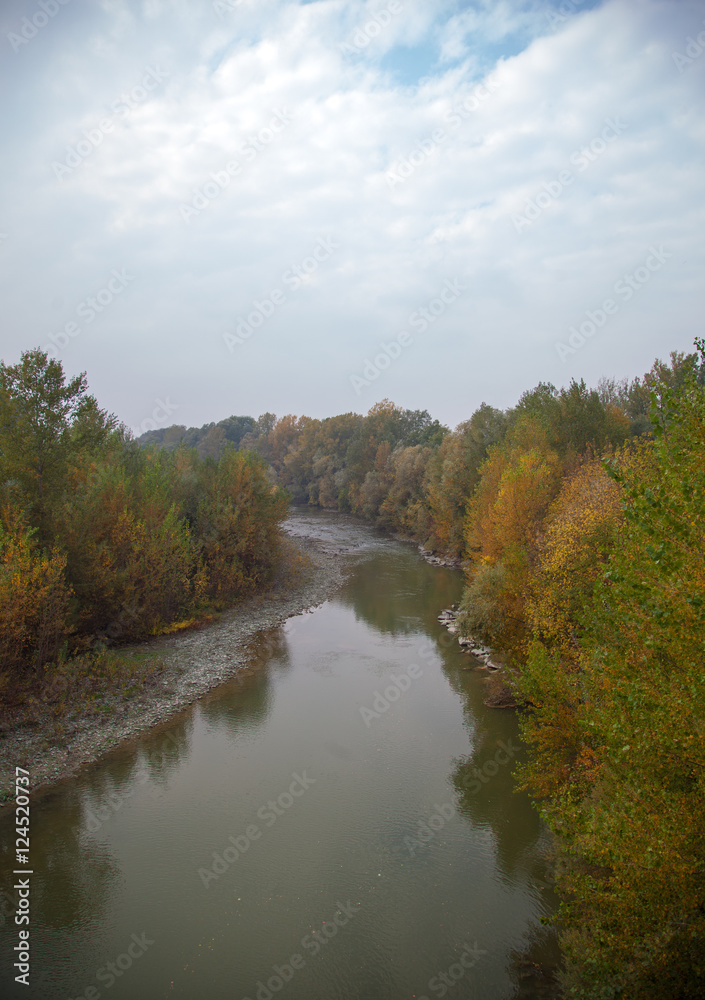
336,823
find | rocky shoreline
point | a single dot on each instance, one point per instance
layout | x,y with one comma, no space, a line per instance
435,560
500,694
51,757
448,618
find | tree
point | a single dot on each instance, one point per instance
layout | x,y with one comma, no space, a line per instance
34,598
43,420
577,536
454,473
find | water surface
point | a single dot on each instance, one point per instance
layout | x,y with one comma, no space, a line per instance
277,840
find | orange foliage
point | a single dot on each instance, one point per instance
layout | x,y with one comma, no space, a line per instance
578,533
34,597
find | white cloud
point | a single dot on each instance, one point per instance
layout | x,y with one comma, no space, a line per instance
327,173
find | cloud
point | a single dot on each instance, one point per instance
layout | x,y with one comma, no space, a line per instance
517,101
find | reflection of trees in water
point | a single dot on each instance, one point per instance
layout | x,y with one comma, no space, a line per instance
485,787
245,700
74,876
162,753
268,645
156,756
533,969
486,796
392,590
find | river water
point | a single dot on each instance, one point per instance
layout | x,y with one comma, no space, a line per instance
338,823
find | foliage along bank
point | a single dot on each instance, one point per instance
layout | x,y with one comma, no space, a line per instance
103,541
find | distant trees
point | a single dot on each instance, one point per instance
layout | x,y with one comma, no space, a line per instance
353,463
208,439
454,473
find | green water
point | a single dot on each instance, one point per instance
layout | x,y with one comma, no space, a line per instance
339,824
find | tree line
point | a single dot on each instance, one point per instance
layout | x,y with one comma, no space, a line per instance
578,515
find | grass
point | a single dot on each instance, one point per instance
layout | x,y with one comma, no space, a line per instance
87,684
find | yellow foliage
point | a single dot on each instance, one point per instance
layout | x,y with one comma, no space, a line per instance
519,480
34,597
579,525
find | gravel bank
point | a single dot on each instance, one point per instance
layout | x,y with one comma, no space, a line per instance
196,662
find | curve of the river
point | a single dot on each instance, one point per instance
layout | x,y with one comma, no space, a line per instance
339,823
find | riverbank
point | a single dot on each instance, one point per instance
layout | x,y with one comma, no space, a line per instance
56,745
499,692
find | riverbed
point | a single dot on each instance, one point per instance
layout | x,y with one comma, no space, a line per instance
336,821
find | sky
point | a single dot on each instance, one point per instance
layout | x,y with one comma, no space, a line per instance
243,206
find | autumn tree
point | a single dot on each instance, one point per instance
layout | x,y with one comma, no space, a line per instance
577,537
454,473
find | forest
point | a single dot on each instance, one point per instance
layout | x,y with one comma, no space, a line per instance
102,541
577,518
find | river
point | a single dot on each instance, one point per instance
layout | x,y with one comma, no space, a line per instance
338,822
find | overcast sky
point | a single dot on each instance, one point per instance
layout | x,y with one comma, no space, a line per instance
304,207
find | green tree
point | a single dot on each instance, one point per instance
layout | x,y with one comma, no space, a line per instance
43,420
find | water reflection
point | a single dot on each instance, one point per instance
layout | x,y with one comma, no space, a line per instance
119,849
394,593
534,968
245,701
